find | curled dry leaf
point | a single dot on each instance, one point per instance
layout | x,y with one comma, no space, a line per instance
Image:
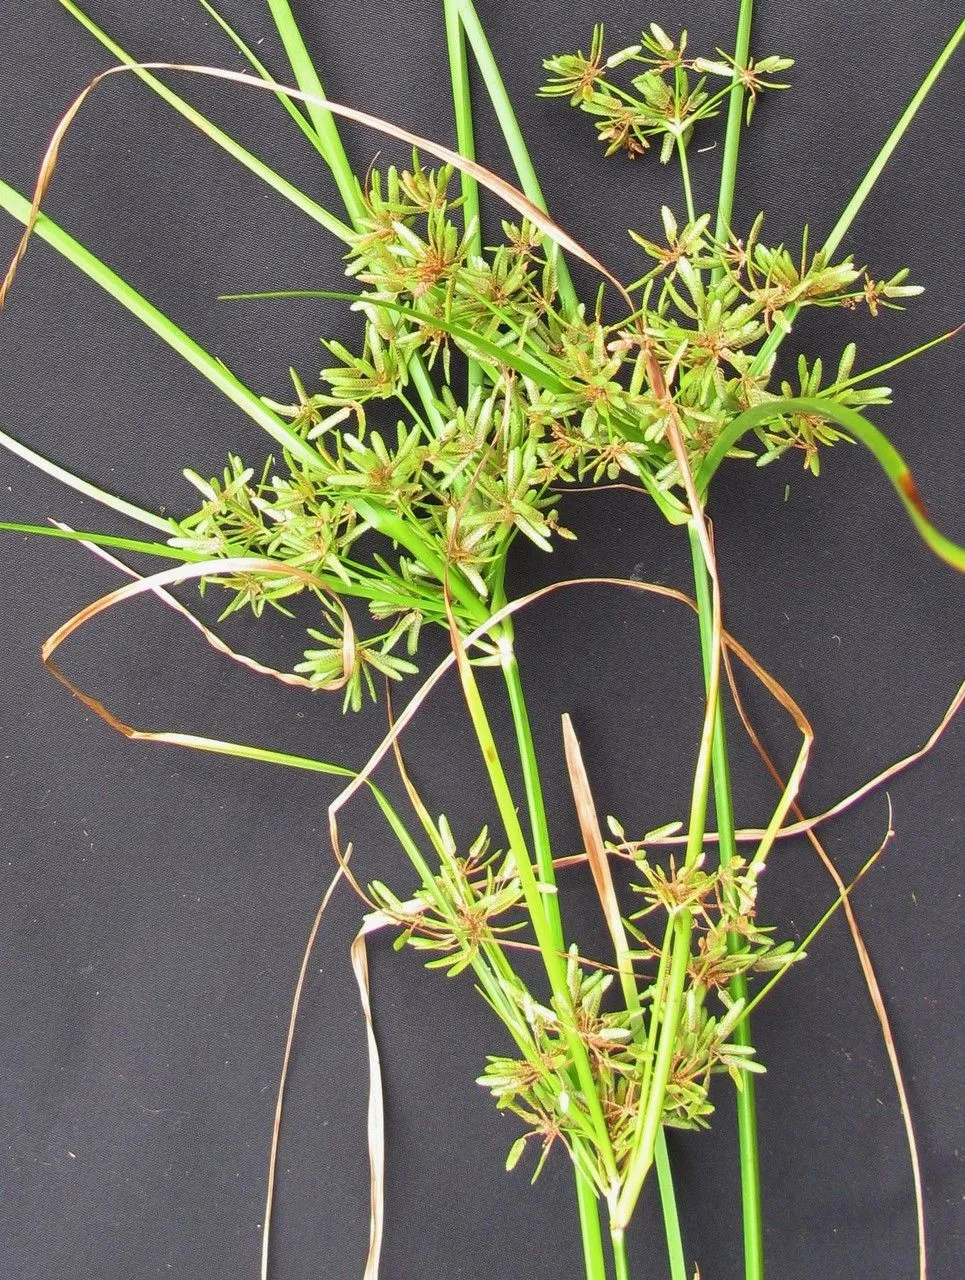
213,639
171,577
485,177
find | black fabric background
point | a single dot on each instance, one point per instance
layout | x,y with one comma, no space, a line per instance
155,904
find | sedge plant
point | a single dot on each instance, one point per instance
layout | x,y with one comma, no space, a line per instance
483,388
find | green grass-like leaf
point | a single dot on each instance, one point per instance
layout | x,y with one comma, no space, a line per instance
875,440
104,540
282,186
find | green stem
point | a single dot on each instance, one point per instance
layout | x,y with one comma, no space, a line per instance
328,144
308,81
621,1265
553,961
533,788
497,979
591,1233
465,143
679,78
328,139
462,110
426,391
643,1037
544,857
723,801
685,176
587,1203
656,1004
522,161
732,135
802,947
668,1202
641,1159
668,1001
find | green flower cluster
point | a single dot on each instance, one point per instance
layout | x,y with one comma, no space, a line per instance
418,486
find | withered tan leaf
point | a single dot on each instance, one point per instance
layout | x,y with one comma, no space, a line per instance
485,177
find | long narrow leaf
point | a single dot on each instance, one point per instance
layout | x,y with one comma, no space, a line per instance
509,126
853,207
319,112
735,121
888,457
867,374
260,69
251,162
103,540
83,486
497,354
216,372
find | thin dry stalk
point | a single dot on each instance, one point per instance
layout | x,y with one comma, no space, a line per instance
376,1108
285,1065
746,835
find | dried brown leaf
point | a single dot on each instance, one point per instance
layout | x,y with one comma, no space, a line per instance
593,837
485,177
